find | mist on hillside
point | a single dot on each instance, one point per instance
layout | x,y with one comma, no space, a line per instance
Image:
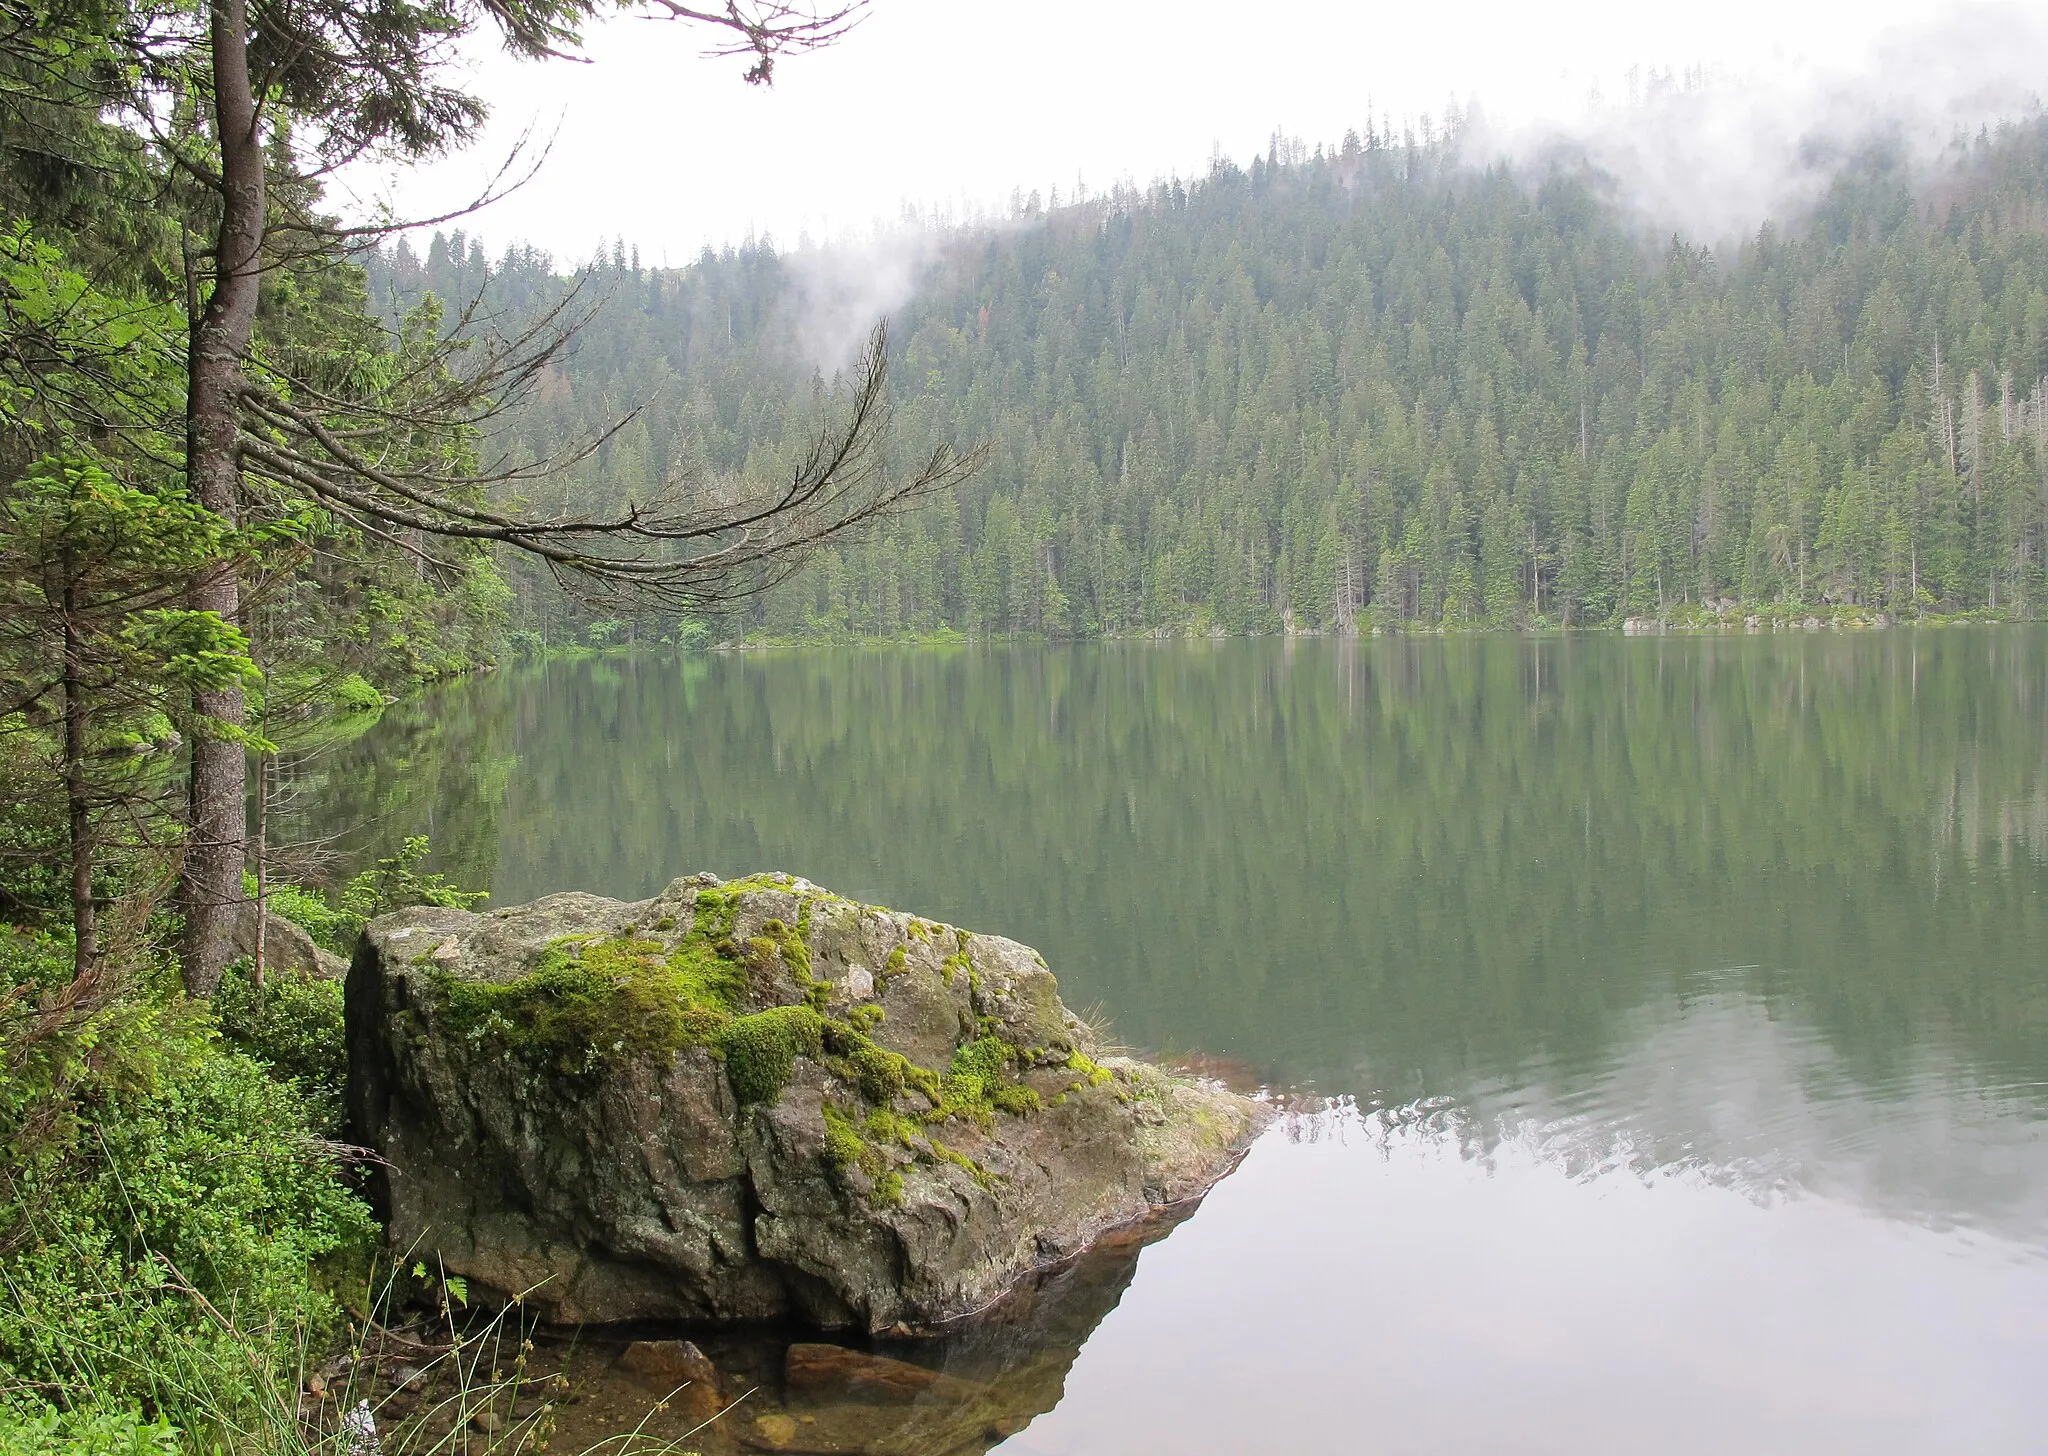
1706,155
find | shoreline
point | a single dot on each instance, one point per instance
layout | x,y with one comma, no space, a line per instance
1758,623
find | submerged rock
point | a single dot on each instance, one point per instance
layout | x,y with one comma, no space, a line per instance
824,1372
750,1100
678,1368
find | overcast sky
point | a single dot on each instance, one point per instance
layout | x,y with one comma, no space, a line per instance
949,105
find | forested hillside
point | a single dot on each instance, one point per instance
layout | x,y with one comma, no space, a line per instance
1374,386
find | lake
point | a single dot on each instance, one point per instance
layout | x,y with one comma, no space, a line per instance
1662,1023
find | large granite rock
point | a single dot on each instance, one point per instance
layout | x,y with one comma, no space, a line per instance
750,1100
286,947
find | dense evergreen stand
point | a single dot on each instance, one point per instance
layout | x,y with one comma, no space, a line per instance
1379,385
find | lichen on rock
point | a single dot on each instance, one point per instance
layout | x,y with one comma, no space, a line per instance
750,1099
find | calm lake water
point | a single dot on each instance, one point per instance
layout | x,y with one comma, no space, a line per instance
1677,1007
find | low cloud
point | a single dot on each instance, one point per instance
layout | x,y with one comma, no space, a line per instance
841,290
1711,156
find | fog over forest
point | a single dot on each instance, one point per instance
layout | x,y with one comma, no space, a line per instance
1394,381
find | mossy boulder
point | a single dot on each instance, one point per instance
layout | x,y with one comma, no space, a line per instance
750,1100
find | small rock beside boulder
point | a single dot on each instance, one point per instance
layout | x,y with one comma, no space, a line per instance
286,946
750,1101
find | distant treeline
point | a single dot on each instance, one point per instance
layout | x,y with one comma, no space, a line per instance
1373,386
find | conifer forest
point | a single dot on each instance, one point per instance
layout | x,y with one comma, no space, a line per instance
1373,386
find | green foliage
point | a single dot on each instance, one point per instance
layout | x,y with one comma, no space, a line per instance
196,651
395,883
354,695
292,1024
761,1050
1380,386
33,959
87,1431
331,929
84,357
97,659
167,1203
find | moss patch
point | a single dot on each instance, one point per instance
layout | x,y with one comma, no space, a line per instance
960,1160
761,1050
592,1003
847,1146
1015,1099
1092,1074
844,1146
881,1075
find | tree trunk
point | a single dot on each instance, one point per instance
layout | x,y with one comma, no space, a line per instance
262,857
212,881
84,913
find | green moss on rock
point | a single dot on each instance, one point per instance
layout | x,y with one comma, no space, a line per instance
1015,1099
844,1146
881,1075
592,1003
761,1050
978,1084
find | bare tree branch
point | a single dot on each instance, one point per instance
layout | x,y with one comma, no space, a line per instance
692,543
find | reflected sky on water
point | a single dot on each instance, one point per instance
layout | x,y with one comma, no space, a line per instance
1685,1000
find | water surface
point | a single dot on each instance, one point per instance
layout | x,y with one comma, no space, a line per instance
1680,1005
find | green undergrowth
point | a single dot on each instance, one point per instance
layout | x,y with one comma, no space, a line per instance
86,1432
335,919
177,1227
292,1024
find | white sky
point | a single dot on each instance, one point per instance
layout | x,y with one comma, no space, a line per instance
949,105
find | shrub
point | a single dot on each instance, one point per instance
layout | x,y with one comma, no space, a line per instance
85,1432
354,695
395,883
165,1201
330,928
33,958
293,1025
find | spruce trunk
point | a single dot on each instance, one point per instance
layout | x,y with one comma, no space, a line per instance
212,878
